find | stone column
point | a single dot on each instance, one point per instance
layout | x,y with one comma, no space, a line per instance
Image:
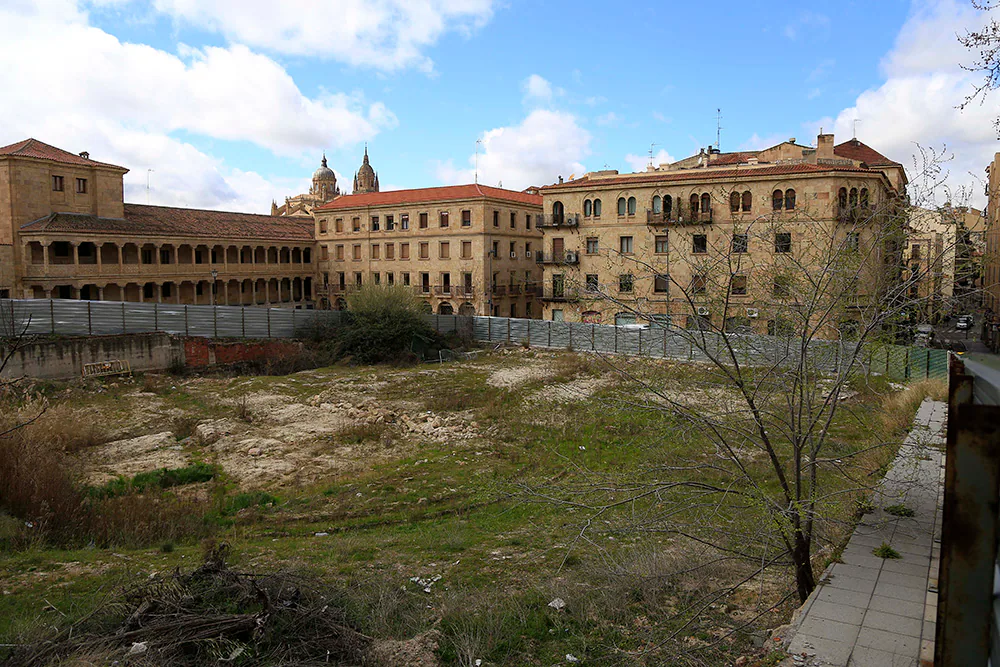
100,292
45,256
99,249
76,253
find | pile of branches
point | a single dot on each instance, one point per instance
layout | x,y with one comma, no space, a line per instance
210,616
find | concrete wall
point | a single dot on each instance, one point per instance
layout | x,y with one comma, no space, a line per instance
64,358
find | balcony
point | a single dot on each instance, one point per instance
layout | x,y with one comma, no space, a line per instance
553,220
566,257
854,213
559,294
679,218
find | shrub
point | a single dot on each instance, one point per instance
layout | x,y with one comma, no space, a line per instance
899,510
164,478
250,499
383,324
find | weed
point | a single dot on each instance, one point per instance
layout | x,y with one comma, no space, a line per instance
243,409
246,500
886,551
164,478
359,433
863,506
152,383
899,510
167,547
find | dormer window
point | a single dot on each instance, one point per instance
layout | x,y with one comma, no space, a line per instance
81,186
57,184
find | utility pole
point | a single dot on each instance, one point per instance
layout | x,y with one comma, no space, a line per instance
478,141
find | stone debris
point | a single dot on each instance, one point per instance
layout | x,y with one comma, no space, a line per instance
558,604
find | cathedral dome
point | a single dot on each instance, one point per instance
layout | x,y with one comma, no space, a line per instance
324,173
365,180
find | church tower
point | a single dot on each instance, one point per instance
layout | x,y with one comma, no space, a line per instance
324,183
365,180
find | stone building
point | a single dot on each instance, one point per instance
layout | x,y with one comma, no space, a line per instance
991,256
468,249
930,260
365,179
620,244
66,232
324,188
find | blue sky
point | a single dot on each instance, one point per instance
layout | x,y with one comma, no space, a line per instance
231,103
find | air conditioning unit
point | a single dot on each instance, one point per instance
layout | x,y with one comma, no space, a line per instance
513,255
527,253
753,312
570,257
702,310
572,221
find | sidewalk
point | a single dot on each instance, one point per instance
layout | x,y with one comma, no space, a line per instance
874,612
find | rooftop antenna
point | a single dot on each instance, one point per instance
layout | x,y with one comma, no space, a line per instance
718,129
856,121
478,141
148,172
651,154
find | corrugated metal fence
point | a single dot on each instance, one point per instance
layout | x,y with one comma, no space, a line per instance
96,318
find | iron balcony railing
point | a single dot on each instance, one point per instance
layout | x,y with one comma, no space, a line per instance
679,217
453,290
557,220
565,257
557,293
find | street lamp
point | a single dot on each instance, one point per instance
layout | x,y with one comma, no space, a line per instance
215,275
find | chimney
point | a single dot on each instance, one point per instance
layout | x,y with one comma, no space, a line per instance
85,155
560,179
824,146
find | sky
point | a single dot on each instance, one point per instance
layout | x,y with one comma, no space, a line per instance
231,103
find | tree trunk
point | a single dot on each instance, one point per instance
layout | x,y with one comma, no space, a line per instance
804,580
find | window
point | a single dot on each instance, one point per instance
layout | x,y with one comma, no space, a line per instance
57,184
425,251
466,249
425,282
593,285
734,202
443,218
378,278
738,285
694,205
513,220
741,243
324,253
842,198
777,200
661,245
699,244
374,226
357,278
915,252
668,205
496,218
597,208
81,186
527,249
706,203
783,242
625,245
390,223
404,221
356,224
390,279
406,279
657,204
513,250
592,246
621,206
699,284
789,199
626,282
404,250
356,250
631,205
390,251
466,218
527,221
853,197
423,221
588,208
339,253
853,241
864,197
747,201
496,249
375,251
338,225
660,284
444,250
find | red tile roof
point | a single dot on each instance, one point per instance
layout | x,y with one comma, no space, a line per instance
712,174
34,148
145,220
421,195
732,158
855,150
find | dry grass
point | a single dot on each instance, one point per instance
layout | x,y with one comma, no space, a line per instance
60,426
569,366
899,408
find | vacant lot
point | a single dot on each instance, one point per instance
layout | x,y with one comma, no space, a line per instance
417,493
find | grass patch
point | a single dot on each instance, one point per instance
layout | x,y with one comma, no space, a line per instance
164,478
247,500
886,551
359,433
900,510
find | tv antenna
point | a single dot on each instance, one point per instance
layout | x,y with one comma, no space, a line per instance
478,141
651,154
856,121
148,172
718,129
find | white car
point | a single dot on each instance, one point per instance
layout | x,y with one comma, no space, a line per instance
964,322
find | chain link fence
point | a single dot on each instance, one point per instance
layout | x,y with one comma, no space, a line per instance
104,318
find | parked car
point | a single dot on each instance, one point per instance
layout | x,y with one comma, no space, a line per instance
924,336
964,322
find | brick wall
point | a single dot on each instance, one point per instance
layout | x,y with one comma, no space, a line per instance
200,352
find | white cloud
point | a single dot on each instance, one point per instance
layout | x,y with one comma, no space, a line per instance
917,102
807,23
127,103
385,34
537,89
639,162
546,144
608,119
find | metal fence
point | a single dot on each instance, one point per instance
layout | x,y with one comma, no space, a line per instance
101,318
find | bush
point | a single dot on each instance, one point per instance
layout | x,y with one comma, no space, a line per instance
164,478
383,324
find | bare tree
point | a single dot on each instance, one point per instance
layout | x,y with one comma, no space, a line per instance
985,43
783,311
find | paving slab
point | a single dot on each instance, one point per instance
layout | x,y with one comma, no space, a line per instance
873,612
